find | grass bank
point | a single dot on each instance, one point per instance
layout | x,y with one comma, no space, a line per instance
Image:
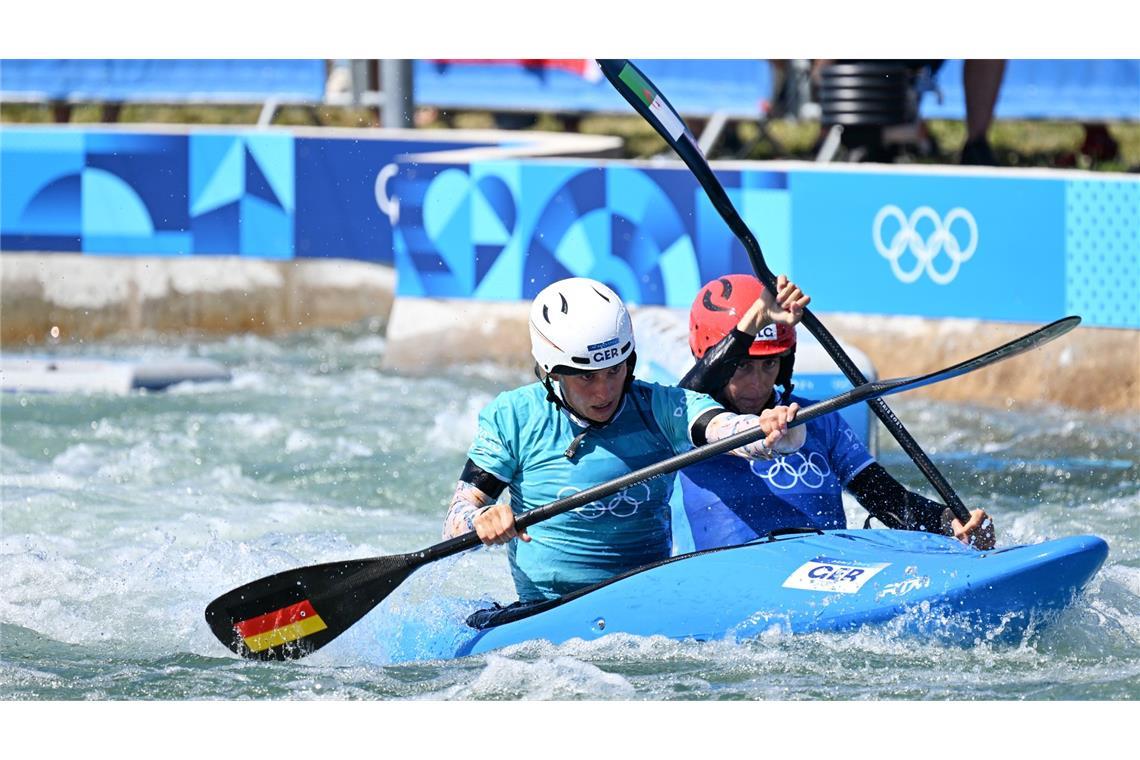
1016,143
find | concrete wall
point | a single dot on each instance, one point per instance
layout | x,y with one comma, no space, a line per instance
92,297
1090,368
88,298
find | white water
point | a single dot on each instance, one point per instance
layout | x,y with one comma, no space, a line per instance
122,517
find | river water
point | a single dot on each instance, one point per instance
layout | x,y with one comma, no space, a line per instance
123,516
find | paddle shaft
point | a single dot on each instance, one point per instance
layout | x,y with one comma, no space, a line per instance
689,152
582,498
672,464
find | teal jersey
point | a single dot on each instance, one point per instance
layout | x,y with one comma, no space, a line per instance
522,440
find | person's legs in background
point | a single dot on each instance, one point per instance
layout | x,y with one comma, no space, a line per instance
1099,144
981,80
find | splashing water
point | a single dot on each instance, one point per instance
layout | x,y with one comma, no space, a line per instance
123,516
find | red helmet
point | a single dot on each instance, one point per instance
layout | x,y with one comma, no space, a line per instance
717,309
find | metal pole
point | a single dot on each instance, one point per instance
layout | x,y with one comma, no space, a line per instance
396,85
359,70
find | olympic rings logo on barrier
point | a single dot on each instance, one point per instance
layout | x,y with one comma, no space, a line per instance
925,250
783,472
624,503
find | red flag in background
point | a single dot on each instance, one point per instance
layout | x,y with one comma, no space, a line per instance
583,67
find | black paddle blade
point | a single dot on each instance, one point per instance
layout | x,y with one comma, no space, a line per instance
294,613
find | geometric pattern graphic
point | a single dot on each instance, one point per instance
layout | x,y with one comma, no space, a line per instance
617,226
1102,252
241,194
97,192
339,197
148,194
432,239
265,194
502,230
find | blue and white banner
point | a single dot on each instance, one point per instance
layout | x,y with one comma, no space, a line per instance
1001,245
503,230
263,193
1008,246
930,245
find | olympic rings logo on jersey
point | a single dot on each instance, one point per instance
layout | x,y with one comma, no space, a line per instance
926,250
624,503
785,473
486,442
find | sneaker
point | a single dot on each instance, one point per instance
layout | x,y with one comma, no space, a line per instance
978,153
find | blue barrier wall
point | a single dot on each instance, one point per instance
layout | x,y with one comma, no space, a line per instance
1005,245
1013,246
502,230
266,194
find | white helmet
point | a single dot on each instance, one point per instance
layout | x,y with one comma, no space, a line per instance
579,325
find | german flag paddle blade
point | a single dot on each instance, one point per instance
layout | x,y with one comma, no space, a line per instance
294,613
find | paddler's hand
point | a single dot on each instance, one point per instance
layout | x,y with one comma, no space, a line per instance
786,307
780,438
977,532
496,525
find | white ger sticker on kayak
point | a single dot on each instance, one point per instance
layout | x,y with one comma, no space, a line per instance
823,574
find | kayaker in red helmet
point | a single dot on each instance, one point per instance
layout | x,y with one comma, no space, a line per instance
744,340
587,421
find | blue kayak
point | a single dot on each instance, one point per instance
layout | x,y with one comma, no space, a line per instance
927,585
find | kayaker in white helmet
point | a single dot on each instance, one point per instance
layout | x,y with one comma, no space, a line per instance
741,359
588,421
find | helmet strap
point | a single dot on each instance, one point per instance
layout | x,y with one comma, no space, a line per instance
784,377
630,363
551,395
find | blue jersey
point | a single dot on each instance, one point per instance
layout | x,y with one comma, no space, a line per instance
728,500
522,440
